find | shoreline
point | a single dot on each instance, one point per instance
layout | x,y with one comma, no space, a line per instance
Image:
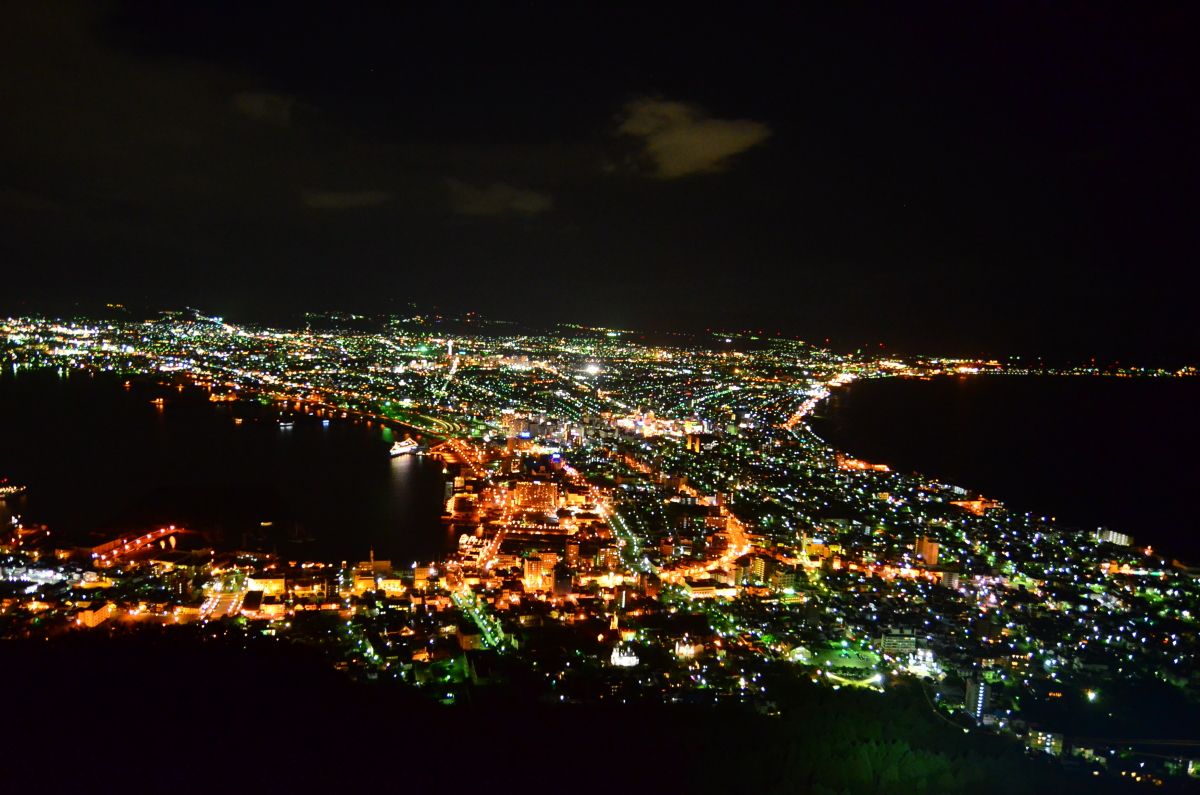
945,443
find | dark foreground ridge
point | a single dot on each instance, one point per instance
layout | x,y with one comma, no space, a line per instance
168,716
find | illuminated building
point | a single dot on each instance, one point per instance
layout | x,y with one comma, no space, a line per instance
783,578
707,588
270,584
304,584
1044,742
608,557
536,496
978,698
392,586
95,615
1104,535
422,575
977,507
927,550
897,642
846,462
623,657
363,582
532,573
759,566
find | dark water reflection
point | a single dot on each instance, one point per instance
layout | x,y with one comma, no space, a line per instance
1089,451
101,458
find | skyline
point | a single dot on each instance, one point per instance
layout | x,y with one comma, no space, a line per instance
1016,183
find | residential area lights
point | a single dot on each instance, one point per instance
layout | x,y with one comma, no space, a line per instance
634,521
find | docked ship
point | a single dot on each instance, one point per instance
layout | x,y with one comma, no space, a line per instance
404,448
10,489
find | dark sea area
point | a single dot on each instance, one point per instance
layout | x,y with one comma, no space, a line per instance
101,459
1123,453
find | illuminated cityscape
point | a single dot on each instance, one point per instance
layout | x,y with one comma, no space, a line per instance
636,522
575,397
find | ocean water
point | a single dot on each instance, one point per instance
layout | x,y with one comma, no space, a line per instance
1090,451
101,459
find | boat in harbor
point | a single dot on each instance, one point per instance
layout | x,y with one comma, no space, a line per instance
406,447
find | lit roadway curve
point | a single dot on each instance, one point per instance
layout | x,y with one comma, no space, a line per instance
739,543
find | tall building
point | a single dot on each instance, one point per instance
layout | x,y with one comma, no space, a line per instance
1107,536
927,550
979,697
532,571
760,567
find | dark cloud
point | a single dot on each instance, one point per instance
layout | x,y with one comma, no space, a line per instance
265,108
498,198
17,199
895,176
680,139
344,200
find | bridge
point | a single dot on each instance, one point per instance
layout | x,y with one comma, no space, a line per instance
111,552
457,451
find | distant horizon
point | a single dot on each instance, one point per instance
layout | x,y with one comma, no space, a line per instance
294,318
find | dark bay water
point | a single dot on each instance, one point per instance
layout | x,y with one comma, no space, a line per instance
1123,453
102,459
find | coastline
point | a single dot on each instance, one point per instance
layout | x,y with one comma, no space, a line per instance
1032,459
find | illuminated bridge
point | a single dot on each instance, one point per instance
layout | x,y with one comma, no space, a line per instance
110,553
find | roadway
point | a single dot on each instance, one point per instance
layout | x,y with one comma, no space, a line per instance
221,604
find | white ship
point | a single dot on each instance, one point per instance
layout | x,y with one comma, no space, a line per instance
403,448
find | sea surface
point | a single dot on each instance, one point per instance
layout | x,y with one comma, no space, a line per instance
101,459
1090,451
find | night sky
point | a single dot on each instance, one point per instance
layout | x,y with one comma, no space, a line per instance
1002,178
